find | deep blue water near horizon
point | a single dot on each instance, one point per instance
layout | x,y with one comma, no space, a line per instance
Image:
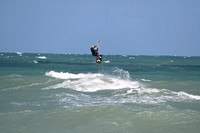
125,93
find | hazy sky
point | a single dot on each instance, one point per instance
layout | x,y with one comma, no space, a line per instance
135,27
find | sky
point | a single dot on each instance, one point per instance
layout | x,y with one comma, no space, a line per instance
134,27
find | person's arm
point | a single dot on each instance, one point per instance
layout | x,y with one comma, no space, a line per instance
97,48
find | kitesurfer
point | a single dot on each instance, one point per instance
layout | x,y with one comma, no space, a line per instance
96,53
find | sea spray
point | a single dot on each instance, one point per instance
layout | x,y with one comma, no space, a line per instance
93,82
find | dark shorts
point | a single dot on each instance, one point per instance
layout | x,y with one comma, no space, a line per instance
96,54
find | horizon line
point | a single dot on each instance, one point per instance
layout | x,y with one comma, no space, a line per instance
102,54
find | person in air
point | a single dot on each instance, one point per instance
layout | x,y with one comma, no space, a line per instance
96,53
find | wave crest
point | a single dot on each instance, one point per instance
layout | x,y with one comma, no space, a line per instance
92,82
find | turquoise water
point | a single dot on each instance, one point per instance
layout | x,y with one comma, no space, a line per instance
71,93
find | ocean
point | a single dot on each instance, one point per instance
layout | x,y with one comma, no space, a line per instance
69,93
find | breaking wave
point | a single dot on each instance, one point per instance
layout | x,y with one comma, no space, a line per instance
125,89
92,82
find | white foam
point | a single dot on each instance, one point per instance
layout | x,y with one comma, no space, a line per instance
41,57
121,73
147,80
35,61
107,61
155,96
149,91
62,75
91,82
184,94
19,53
131,58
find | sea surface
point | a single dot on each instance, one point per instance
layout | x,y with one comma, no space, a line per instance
68,93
